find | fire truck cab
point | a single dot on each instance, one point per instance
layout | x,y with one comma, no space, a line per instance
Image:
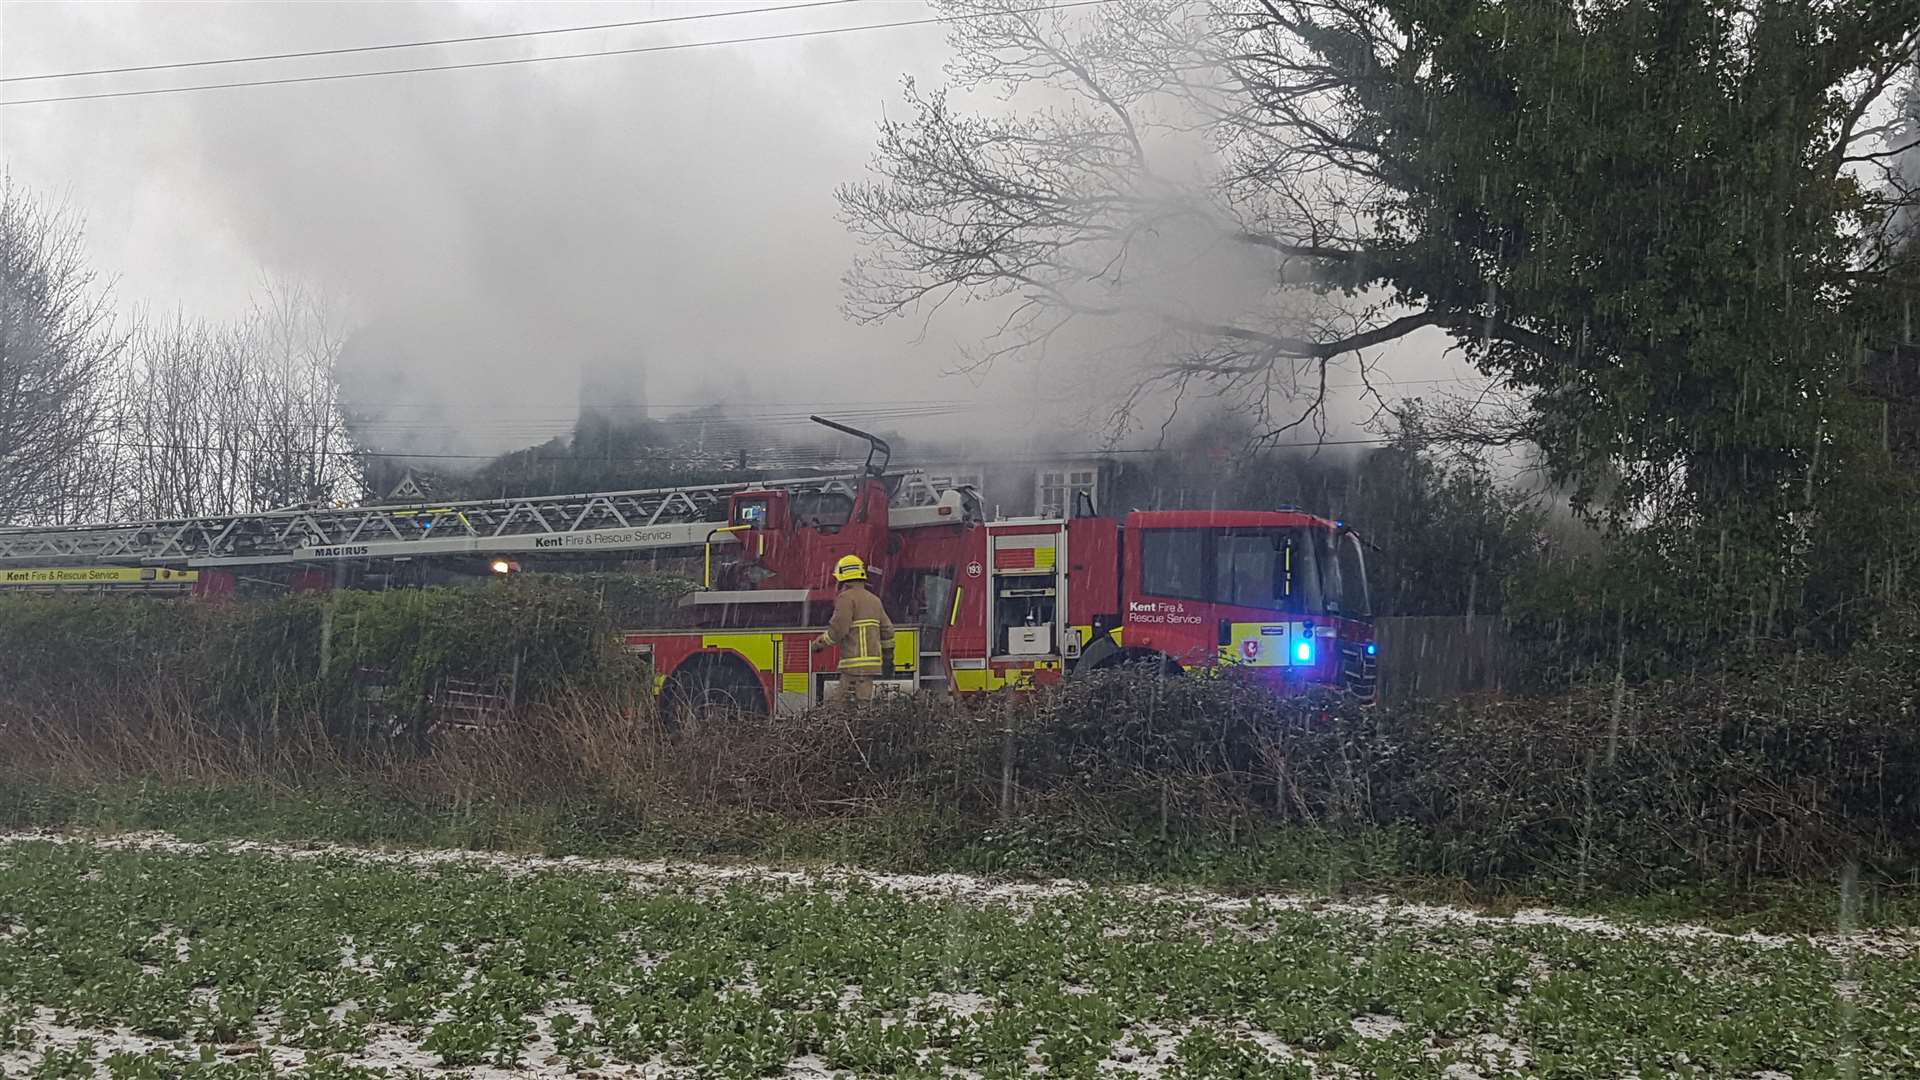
1280,594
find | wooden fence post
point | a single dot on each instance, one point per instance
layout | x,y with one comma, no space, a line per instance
1006,773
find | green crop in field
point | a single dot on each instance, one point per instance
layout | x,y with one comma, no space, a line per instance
138,964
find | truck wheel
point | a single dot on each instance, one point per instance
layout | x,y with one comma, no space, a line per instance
711,687
1098,654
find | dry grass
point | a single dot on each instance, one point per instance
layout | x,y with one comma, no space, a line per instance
143,727
827,763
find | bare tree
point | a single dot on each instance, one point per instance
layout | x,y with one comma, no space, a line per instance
234,419
168,425
1118,211
57,345
300,449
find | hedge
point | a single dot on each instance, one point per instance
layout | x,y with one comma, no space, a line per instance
242,665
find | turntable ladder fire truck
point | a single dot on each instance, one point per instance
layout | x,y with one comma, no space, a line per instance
980,605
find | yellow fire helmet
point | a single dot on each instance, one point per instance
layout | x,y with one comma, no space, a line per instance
850,568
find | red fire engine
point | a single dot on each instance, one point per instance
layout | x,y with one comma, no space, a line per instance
980,605
986,605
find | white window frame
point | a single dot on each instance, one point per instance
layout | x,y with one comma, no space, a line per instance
1068,481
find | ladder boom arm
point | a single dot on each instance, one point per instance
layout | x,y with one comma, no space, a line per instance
652,518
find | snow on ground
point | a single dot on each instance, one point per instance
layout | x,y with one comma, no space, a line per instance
386,1049
1380,911
1146,1052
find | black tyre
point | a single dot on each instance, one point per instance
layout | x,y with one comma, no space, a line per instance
711,687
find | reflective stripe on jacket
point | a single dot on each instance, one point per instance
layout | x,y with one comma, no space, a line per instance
860,629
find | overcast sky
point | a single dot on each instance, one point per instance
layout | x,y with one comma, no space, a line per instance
498,228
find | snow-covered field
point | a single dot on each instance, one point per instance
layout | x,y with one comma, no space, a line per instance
144,955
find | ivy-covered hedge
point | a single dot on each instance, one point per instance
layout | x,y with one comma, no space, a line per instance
1784,767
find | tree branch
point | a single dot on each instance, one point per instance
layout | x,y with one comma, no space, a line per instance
1309,251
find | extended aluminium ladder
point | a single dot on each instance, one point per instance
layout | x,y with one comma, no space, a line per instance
653,518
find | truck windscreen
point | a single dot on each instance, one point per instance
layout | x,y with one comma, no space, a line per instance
1286,569
1276,569
826,510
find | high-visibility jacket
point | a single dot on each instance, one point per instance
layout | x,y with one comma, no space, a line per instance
860,629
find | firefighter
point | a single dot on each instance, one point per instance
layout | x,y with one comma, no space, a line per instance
859,628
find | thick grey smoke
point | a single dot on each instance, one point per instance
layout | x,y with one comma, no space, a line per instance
500,231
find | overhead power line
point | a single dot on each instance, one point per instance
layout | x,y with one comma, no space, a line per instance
348,50
636,51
